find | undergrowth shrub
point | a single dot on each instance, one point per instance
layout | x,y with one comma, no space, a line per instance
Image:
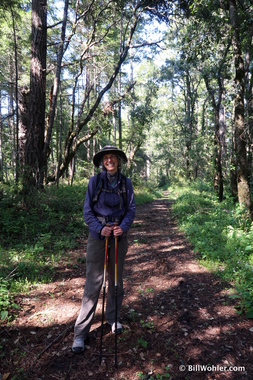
35,235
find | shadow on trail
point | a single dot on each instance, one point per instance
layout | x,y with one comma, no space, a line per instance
175,314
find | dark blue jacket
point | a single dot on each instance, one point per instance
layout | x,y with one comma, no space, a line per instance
108,205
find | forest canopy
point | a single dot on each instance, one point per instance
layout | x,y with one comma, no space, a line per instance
170,82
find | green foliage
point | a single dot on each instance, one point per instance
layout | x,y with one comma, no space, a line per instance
4,299
145,195
133,315
158,376
149,325
142,343
35,236
222,235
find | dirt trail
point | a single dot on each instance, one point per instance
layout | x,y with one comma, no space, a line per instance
177,317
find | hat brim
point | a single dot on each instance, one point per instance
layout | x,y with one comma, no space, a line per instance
98,156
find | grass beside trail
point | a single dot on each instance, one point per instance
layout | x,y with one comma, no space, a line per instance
221,235
37,235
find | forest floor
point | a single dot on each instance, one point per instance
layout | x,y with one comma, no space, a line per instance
179,321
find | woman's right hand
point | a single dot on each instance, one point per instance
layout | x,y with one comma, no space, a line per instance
106,231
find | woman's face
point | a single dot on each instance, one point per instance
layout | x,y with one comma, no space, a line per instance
110,162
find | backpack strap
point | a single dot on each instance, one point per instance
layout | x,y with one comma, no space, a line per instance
99,187
123,189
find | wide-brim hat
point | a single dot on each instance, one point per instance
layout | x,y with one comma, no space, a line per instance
106,150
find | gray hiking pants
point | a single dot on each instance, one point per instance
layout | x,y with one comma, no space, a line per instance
94,279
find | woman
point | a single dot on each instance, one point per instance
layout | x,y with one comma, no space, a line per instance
109,210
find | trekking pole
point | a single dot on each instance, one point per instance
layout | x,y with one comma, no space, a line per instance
103,306
116,293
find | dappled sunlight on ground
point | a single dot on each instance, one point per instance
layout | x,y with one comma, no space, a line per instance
176,315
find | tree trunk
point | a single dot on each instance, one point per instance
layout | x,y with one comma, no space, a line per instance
114,127
12,134
59,143
1,151
16,97
23,107
240,133
233,165
219,134
188,123
70,148
55,88
249,103
250,123
34,162
119,87
222,133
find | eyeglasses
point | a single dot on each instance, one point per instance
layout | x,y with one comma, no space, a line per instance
111,157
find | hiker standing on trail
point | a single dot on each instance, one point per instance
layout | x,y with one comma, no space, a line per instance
109,210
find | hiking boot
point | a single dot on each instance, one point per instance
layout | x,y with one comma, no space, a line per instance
119,328
78,346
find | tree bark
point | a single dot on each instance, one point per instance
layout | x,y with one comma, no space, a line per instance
119,87
55,88
16,95
233,165
1,151
34,162
23,107
219,135
240,133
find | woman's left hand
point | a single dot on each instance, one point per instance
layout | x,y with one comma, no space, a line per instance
117,231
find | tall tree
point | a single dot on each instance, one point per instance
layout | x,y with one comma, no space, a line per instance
34,160
87,108
16,94
219,133
207,32
239,111
55,88
1,141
